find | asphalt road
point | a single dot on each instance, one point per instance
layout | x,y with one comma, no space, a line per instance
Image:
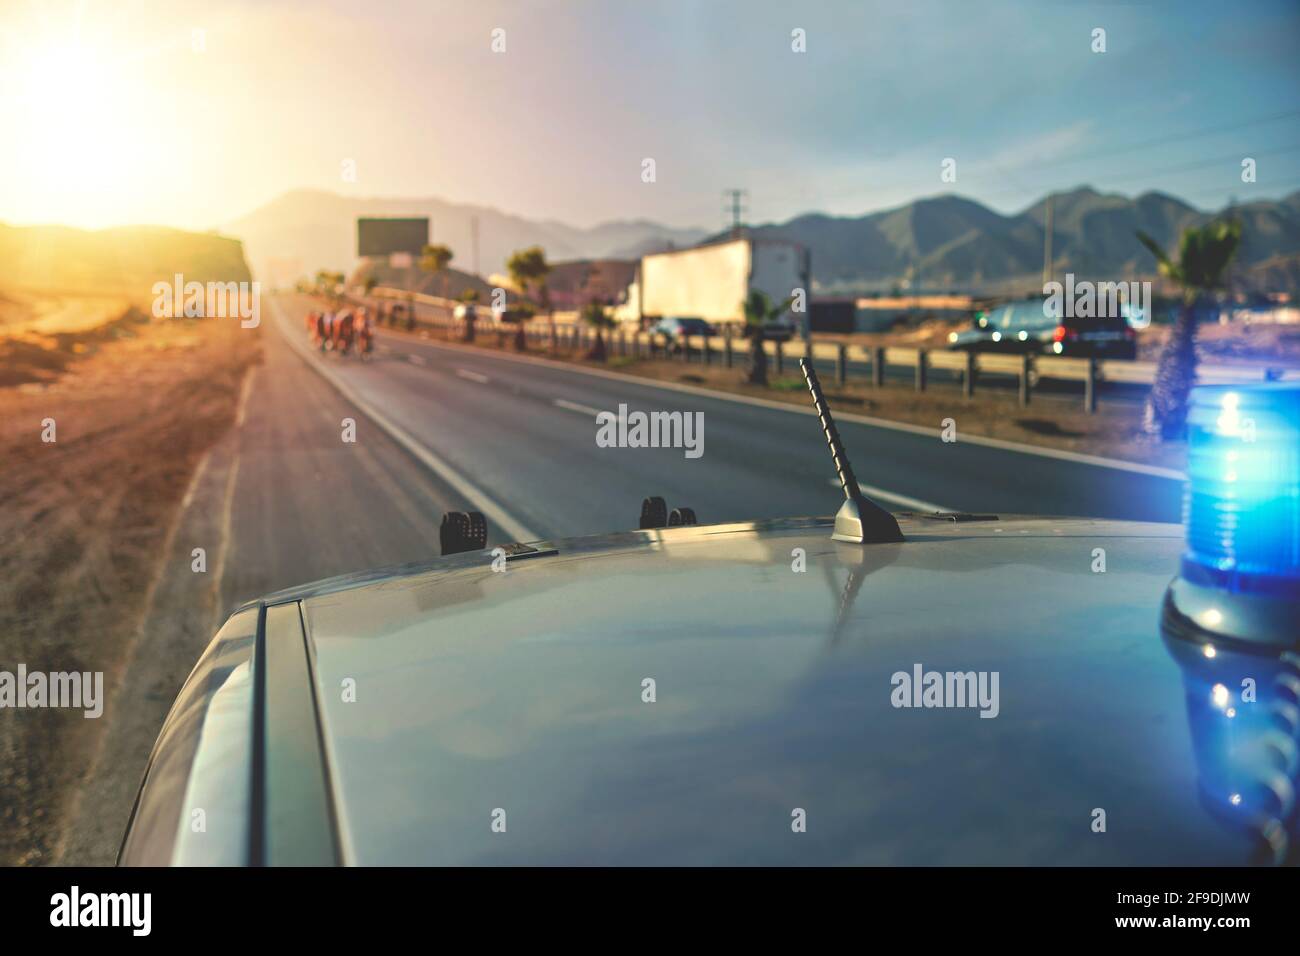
484,431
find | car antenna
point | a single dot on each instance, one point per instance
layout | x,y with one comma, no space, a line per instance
859,519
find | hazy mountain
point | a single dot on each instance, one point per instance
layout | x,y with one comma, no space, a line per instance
305,230
952,242
646,247
947,242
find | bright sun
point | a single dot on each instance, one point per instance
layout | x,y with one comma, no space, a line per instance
73,123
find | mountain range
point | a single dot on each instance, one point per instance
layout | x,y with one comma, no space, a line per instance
949,242
941,242
305,230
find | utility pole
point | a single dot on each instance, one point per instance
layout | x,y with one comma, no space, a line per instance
734,203
473,239
1047,244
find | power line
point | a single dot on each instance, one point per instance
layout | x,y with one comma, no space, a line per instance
1003,171
1291,181
1178,137
1181,168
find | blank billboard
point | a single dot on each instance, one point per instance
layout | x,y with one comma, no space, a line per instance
382,237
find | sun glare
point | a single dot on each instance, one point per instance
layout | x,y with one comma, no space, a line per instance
75,131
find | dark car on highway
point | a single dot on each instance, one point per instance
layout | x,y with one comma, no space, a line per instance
677,332
1034,326
817,690
677,329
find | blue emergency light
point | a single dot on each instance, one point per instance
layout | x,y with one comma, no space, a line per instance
1240,574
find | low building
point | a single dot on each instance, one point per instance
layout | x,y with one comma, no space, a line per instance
571,285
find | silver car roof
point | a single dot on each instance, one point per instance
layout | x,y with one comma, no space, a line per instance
522,694
690,695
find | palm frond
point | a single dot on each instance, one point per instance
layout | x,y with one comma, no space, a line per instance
1163,263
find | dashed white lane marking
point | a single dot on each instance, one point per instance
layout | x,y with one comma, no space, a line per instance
576,407
416,360
907,501
244,389
473,376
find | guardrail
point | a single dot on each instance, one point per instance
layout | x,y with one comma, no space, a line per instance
857,361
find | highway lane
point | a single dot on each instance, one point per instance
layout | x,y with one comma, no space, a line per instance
523,434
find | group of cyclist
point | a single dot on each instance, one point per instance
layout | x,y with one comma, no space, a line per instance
342,330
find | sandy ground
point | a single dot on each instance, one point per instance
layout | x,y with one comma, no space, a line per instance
85,525
51,312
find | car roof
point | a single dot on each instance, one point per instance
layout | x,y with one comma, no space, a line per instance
524,691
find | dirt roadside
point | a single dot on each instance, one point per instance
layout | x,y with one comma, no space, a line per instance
84,530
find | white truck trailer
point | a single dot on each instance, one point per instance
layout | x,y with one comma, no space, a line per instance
711,282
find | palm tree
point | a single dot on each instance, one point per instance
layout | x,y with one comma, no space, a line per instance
759,311
595,315
519,315
1204,253
469,297
528,267
328,283
434,258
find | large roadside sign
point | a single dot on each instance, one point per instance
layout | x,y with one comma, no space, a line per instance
383,237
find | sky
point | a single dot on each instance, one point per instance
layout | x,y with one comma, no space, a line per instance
192,114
